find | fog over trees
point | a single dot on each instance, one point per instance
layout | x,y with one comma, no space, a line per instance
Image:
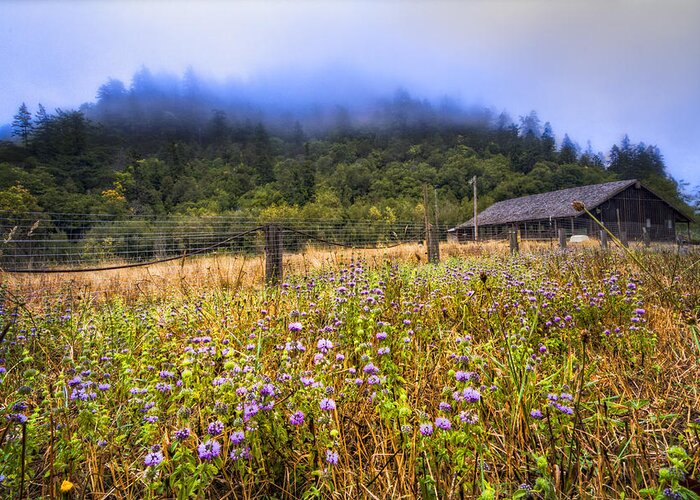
332,146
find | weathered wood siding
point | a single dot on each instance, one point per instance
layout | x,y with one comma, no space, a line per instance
639,210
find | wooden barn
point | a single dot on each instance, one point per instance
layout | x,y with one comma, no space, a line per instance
623,206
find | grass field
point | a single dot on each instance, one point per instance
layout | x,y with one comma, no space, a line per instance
552,374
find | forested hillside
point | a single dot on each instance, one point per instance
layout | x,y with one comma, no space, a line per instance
178,145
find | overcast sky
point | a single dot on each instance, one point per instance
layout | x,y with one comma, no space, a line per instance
595,69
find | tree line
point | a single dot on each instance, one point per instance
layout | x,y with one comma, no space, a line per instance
176,146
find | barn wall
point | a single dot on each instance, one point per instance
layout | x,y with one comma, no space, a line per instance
639,210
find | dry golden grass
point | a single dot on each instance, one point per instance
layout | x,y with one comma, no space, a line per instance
226,271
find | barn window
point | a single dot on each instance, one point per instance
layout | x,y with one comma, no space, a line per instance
648,222
669,224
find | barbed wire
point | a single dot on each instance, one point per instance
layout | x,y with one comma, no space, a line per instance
66,243
343,245
135,264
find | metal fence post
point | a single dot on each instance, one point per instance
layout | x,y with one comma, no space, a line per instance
273,254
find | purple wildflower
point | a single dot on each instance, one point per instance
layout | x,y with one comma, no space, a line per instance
240,453
295,327
297,418
79,394
536,414
327,404
20,418
567,396
209,449
370,369
565,409
153,459
267,390
324,345
182,434
215,428
426,429
443,423
237,437
462,376
468,418
332,457
471,395
250,410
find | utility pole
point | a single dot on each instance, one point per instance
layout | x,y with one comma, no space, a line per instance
476,223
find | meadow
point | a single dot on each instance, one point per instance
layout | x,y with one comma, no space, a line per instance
550,374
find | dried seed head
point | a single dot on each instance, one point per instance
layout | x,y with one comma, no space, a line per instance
578,206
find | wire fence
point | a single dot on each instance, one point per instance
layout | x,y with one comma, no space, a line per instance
51,243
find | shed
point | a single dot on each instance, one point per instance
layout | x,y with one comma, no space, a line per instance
622,206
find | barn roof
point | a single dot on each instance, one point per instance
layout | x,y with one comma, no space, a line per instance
555,204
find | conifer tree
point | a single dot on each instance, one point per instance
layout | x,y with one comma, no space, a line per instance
22,124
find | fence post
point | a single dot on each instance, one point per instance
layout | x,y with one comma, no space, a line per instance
431,236
273,254
646,237
623,238
603,240
514,248
562,237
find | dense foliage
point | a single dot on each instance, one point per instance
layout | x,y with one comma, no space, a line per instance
170,145
568,375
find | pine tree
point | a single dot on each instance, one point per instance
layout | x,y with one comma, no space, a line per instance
22,124
568,153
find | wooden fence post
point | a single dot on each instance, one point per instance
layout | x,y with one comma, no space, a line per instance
433,245
273,254
431,236
623,238
604,240
514,247
646,237
562,237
